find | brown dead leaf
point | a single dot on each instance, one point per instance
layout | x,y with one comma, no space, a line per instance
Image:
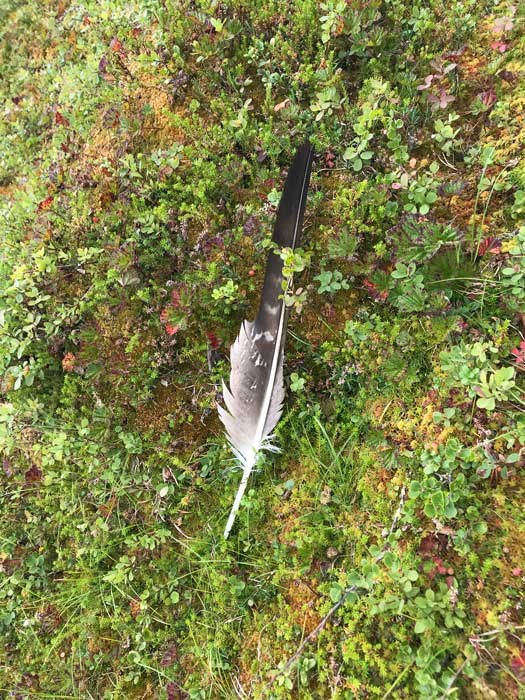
282,105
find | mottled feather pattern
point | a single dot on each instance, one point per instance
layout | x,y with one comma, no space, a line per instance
249,372
255,396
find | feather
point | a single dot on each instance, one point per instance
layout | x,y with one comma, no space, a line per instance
255,396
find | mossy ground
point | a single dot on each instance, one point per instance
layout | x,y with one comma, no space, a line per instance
143,146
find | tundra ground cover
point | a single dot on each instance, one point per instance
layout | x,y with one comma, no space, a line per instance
142,153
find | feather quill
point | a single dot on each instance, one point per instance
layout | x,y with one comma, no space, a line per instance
255,396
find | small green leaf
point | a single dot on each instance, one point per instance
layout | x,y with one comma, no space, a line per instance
421,626
336,592
400,272
488,403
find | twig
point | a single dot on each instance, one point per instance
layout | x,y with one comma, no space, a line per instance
313,635
494,632
351,589
454,678
398,680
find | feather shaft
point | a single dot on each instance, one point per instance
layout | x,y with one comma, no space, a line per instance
239,495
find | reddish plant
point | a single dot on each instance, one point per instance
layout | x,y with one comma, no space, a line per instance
214,342
374,292
489,245
166,315
45,203
68,362
60,119
499,46
519,353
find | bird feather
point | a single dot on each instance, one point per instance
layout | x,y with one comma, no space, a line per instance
255,396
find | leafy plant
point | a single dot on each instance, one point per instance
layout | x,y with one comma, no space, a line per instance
409,292
496,386
326,102
227,293
330,282
297,383
513,275
344,246
421,193
445,134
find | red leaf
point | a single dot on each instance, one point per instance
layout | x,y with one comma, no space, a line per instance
441,100
116,45
45,203
68,362
214,342
517,662
427,83
489,245
488,97
499,46
33,474
60,119
329,159
502,25
519,353
374,292
440,567
164,318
